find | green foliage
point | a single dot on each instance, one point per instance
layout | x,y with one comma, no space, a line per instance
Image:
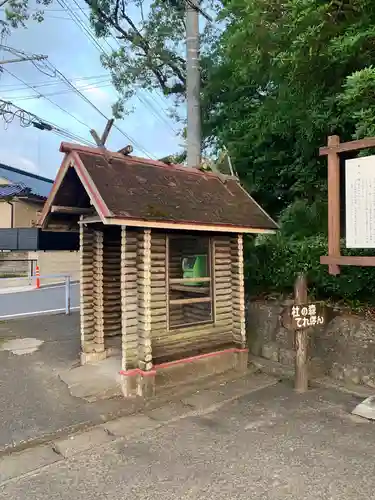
274,262
283,76
17,13
302,220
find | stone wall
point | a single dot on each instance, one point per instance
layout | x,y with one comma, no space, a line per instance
344,349
14,264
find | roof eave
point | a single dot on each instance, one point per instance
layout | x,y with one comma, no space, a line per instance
187,226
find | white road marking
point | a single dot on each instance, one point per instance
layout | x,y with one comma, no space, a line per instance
35,313
42,289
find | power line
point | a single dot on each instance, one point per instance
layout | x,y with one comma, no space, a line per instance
47,98
47,10
9,111
87,100
88,32
48,83
88,19
76,19
63,78
60,92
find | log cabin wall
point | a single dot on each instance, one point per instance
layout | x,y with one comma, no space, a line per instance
159,305
112,287
125,292
238,291
98,290
86,289
144,300
129,298
223,307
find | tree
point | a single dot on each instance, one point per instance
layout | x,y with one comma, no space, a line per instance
17,13
282,78
150,38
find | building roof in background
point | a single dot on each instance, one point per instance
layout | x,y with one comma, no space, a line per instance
23,183
136,189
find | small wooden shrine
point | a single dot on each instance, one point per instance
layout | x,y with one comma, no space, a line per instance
161,258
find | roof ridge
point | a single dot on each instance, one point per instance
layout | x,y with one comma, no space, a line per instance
67,147
25,172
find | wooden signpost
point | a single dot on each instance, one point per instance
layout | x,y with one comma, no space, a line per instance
301,317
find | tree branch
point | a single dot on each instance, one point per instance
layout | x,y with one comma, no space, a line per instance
137,40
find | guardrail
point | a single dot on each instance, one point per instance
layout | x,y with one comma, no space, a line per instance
67,282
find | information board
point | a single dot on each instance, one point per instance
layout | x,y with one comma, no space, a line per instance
360,202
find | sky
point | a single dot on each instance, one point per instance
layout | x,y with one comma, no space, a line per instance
151,132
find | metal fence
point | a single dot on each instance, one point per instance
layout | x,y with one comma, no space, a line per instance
23,301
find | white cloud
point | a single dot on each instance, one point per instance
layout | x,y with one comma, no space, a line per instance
17,161
99,95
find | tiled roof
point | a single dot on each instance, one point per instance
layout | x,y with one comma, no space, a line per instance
136,188
34,185
13,190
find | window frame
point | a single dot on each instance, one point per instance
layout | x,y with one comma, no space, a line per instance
208,279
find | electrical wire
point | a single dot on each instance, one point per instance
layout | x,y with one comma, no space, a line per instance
47,83
98,46
63,78
59,92
76,19
40,95
9,111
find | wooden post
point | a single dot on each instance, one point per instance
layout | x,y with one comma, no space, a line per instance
301,339
333,203
238,291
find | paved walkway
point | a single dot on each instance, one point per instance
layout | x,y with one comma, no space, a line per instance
272,444
33,400
35,403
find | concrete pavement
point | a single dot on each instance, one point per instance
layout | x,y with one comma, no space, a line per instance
46,300
272,444
34,402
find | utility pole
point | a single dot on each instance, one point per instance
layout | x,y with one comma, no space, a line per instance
22,59
193,85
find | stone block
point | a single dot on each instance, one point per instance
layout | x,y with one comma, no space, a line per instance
262,324
146,386
92,357
129,384
287,357
241,359
352,375
317,367
17,464
369,380
79,443
173,410
127,426
337,371
285,338
270,351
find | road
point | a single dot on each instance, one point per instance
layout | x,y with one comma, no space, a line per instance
273,444
47,300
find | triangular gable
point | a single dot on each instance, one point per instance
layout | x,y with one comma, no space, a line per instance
72,161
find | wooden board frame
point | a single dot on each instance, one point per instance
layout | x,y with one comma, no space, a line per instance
209,279
334,259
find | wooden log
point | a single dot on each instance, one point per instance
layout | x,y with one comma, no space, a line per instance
301,382
144,268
